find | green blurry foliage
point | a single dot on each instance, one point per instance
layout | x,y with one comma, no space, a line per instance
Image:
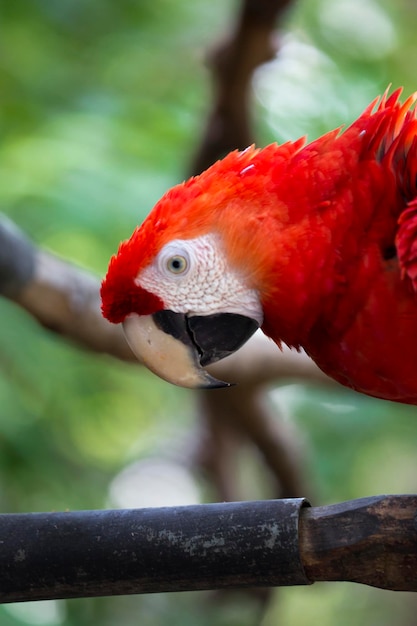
101,103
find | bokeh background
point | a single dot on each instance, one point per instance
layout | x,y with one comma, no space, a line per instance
101,105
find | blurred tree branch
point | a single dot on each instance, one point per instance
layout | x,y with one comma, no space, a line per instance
65,298
60,296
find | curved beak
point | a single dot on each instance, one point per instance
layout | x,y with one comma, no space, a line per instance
176,347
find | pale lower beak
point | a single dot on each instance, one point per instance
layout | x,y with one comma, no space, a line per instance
175,346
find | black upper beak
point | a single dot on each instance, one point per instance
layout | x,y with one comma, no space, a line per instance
212,336
198,342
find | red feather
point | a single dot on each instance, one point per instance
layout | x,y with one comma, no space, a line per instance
325,232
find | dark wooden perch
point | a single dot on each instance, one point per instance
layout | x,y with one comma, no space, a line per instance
211,546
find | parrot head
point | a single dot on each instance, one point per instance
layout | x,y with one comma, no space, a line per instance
312,243
187,285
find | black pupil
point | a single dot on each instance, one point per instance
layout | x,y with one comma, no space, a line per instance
176,264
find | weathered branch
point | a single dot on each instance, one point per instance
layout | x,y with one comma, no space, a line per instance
371,541
215,546
61,296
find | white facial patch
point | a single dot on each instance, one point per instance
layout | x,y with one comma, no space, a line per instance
193,276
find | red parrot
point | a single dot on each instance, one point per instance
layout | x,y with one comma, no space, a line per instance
316,244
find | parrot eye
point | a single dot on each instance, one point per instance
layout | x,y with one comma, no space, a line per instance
177,264
175,259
